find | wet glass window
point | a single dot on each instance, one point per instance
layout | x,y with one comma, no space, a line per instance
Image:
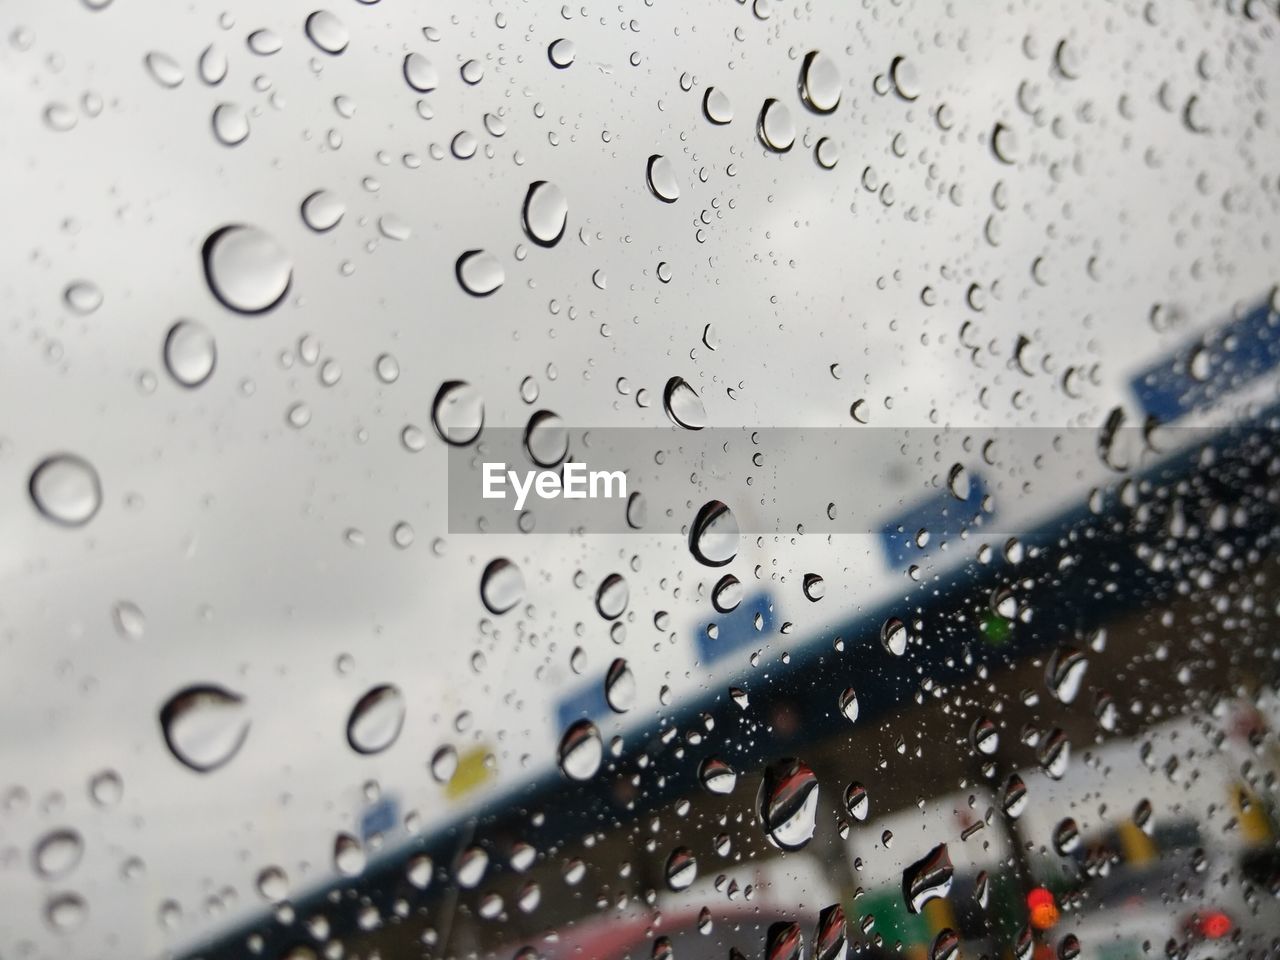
740,480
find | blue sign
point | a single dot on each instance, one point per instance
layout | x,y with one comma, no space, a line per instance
736,629
942,516
381,818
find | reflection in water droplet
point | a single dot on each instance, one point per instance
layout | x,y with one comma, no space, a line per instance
164,69
204,726
830,941
480,272
327,32
418,871
348,855
230,124
190,353
856,802
776,128
65,489
1055,755
894,636
457,413
661,177
958,482
1065,673
444,764
784,941
376,720
612,596
717,776
1066,837
683,405
562,53
928,878
682,868
815,588
849,704
714,534
984,735
57,853
322,210
581,751
819,82
716,106
787,804
946,945
1015,796
545,213
727,594
501,586
546,439
273,884
620,686
420,74
246,269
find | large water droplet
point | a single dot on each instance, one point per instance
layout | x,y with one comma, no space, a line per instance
714,535
480,273
65,489
727,594
322,210
164,69
815,588
204,726
946,945
661,177
1004,143
819,82
458,413
620,686
830,941
776,128
246,269
612,596
856,801
905,78
1066,836
230,124
716,106
1015,796
894,636
562,53
376,719
984,735
682,868
545,213
1055,754
348,855
683,405
784,941
1065,673
581,751
420,74
66,911
849,704
57,853
928,878
787,804
265,42
501,586
212,65
190,353
546,439
327,32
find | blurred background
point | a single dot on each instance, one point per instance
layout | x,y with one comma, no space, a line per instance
939,340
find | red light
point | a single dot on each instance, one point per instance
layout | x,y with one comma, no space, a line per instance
1042,908
1214,925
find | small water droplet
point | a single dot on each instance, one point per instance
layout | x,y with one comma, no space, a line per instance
57,853
66,911
612,596
819,82
230,124
83,297
581,751
683,405
164,69
849,704
204,726
905,78
190,353
856,802
420,73
480,273
894,636
348,855
376,719
716,776
128,620
65,489
501,586
562,53
458,413
714,534
545,213
661,177
716,106
546,439
246,269
322,210
327,32
815,588
727,594
620,686
776,128
682,868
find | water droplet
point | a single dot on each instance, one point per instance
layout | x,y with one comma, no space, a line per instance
661,177
65,489
819,82
59,117
190,353
348,855
472,864
66,911
265,42
273,884
501,586
946,945
1066,837
1065,673
716,106
376,719
418,871
1069,947
958,482
327,32
394,228
815,588
637,511
620,686
128,619
727,594
682,868
298,415
581,751
1015,796
776,128
787,804
849,704
322,210
546,439
905,78
204,726
458,413
784,941
57,853
164,69
1142,816
1004,143
230,124
683,405
246,269
985,735
830,941
856,802
420,74
387,368
480,272
545,213
713,537
1055,755
562,53
612,596
444,764
83,297
826,153
106,788
894,636
212,66
464,145
928,878
717,776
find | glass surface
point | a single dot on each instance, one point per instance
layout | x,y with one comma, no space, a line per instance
916,362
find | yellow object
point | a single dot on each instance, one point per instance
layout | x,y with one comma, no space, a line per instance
472,773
